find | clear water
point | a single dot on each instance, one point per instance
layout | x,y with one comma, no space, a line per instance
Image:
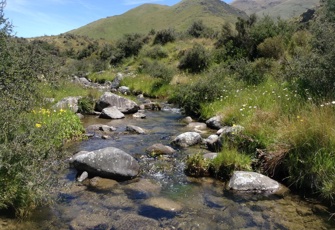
197,203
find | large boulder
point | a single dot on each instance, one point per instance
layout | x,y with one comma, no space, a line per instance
253,182
70,103
187,139
111,113
109,162
123,104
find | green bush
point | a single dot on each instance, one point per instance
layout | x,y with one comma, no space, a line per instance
156,52
198,29
252,73
205,90
86,105
195,60
164,36
272,47
130,45
29,145
157,70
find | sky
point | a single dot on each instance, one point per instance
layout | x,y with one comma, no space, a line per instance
33,18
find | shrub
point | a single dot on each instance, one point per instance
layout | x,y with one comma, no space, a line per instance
29,147
205,90
272,47
164,36
198,29
129,45
86,105
195,60
157,70
156,52
249,72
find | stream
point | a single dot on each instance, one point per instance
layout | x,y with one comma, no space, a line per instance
162,197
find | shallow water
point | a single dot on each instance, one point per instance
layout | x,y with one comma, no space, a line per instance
146,202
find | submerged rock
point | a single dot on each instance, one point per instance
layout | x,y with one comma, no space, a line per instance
197,127
142,189
133,221
139,115
109,162
187,139
160,149
135,129
159,207
253,182
124,105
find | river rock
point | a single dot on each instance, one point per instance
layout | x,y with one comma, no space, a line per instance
214,122
135,129
102,183
187,139
124,105
159,207
187,120
151,106
133,221
213,143
116,81
197,126
210,156
139,115
142,189
70,103
230,130
124,90
100,127
82,177
160,149
85,221
111,113
109,162
253,182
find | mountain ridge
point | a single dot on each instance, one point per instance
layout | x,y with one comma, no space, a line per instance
284,9
142,19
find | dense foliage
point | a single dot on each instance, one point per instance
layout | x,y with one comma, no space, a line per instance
29,141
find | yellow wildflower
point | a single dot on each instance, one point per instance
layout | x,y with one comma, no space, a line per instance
38,125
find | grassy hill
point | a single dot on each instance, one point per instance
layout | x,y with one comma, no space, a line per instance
275,8
153,16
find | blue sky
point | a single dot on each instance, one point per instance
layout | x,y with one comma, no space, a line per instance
32,18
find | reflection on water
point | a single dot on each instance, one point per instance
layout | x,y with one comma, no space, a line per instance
163,197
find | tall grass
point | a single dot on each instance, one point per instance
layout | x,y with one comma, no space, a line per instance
311,158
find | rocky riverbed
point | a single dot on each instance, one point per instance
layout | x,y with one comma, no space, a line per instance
161,196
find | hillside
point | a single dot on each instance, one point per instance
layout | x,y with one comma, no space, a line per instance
275,8
153,16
